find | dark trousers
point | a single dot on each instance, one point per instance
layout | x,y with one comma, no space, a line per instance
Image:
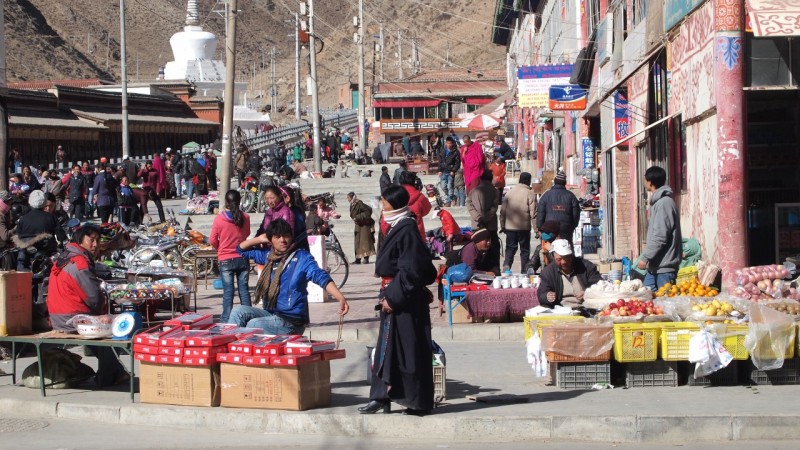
493,255
521,238
77,209
104,213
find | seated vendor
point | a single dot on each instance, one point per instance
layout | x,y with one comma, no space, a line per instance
564,281
75,289
476,254
543,254
283,284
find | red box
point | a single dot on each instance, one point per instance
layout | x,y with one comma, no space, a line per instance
209,352
169,359
190,320
295,360
170,351
479,287
245,344
198,360
333,354
275,345
153,336
459,288
232,358
210,340
146,357
179,339
147,349
257,360
306,347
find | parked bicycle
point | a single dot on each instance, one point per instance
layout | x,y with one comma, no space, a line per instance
337,264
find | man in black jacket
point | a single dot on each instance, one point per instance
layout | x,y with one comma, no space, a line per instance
449,163
385,180
560,205
565,281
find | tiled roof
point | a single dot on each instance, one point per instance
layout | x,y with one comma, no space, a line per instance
43,85
456,74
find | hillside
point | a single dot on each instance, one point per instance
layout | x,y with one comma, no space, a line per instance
80,39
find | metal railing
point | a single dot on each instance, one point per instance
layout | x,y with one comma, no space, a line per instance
342,119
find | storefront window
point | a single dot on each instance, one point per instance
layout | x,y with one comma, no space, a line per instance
770,60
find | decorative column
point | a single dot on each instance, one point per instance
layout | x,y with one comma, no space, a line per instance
730,101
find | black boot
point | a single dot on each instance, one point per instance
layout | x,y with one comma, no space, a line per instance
357,261
366,260
374,406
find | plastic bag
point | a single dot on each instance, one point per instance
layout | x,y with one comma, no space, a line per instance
709,354
62,369
536,356
579,340
770,335
460,273
598,299
85,319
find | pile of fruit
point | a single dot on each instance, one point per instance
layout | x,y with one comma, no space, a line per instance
691,288
792,309
716,308
632,308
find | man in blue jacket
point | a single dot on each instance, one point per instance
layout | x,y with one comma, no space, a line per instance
662,253
283,284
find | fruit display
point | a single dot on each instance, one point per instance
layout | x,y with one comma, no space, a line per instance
631,308
690,288
793,309
715,308
630,286
752,275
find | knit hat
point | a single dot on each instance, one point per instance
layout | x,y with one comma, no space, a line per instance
36,200
561,178
561,247
481,234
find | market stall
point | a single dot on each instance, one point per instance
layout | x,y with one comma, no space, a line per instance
504,298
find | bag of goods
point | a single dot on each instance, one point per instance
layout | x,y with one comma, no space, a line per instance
752,275
790,307
707,272
691,288
763,283
603,293
770,337
632,310
717,310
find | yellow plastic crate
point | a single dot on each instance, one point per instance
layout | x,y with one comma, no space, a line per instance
675,340
531,322
766,351
636,342
686,274
734,341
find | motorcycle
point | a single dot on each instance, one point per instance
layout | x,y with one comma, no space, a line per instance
248,189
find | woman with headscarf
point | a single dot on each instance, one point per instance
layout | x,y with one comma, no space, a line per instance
402,370
364,228
161,169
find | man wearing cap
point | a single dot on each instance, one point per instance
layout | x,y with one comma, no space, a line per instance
477,254
564,282
37,227
560,205
517,215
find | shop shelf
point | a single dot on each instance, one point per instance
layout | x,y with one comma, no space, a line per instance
582,375
652,373
788,374
636,342
675,340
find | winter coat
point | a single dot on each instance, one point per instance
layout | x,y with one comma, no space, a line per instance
458,180
241,160
161,170
519,209
77,187
449,160
385,181
551,281
397,172
282,211
419,205
74,287
482,205
300,269
150,178
104,192
364,241
416,148
663,248
449,225
498,169
226,236
562,206
474,163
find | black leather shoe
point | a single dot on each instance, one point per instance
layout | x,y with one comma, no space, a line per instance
374,406
416,412
358,261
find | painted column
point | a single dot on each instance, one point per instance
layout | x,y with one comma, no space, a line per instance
730,100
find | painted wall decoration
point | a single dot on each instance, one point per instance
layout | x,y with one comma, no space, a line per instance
691,65
534,83
676,10
622,120
774,17
729,50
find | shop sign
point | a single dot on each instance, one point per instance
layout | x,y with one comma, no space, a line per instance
622,120
588,153
570,97
676,10
534,83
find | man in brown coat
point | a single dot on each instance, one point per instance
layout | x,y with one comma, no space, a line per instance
517,216
482,204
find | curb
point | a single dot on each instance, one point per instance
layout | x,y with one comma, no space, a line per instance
626,428
508,332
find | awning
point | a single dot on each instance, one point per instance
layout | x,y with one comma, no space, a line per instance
479,101
652,125
405,103
773,18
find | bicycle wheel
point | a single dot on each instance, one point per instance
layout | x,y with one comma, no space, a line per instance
148,257
205,267
338,267
248,201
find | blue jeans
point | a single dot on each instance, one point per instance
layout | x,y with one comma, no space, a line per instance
178,179
461,196
189,189
446,182
253,317
655,281
228,269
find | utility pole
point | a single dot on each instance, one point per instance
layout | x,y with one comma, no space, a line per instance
108,48
400,54
4,163
362,135
382,79
230,77
123,66
296,66
274,91
312,45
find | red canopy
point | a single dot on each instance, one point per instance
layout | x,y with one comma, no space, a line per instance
479,101
405,103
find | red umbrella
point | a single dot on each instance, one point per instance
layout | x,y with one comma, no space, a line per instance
480,122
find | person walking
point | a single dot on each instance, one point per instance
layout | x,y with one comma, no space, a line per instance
517,216
211,170
364,242
240,164
473,161
77,190
161,169
402,167
177,171
662,252
150,179
402,367
385,181
105,196
482,204
560,205
231,227
459,189
449,164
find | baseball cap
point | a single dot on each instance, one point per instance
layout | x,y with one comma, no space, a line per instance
561,247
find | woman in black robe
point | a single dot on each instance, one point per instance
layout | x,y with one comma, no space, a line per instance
402,368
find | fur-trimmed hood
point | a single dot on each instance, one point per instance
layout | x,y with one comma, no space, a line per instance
32,241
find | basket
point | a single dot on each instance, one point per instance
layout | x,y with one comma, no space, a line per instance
686,274
578,336
537,321
439,384
675,340
651,374
582,375
734,342
788,374
636,342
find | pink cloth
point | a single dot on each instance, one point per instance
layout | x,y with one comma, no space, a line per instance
474,163
225,235
501,303
161,169
327,213
279,212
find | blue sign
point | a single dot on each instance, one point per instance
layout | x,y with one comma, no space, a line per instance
676,10
588,153
568,97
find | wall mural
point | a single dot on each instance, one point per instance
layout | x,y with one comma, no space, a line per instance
729,15
691,88
729,51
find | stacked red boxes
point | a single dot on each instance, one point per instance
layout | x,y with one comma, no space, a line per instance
182,345
281,350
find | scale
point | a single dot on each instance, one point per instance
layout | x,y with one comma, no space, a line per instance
126,324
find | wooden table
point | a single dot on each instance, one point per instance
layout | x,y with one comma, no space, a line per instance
207,255
65,339
501,303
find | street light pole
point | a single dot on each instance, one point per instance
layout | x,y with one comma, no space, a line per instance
230,79
362,135
296,66
312,45
126,151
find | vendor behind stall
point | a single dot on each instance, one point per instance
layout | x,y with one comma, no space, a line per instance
476,254
564,282
691,253
543,254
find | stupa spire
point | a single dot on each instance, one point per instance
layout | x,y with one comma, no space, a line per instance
192,13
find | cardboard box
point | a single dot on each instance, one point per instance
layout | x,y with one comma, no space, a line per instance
461,314
16,303
294,388
179,385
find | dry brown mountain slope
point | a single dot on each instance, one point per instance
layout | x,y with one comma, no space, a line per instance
49,39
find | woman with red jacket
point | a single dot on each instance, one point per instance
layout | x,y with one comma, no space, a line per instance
230,228
418,204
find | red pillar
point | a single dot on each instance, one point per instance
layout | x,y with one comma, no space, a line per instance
730,100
